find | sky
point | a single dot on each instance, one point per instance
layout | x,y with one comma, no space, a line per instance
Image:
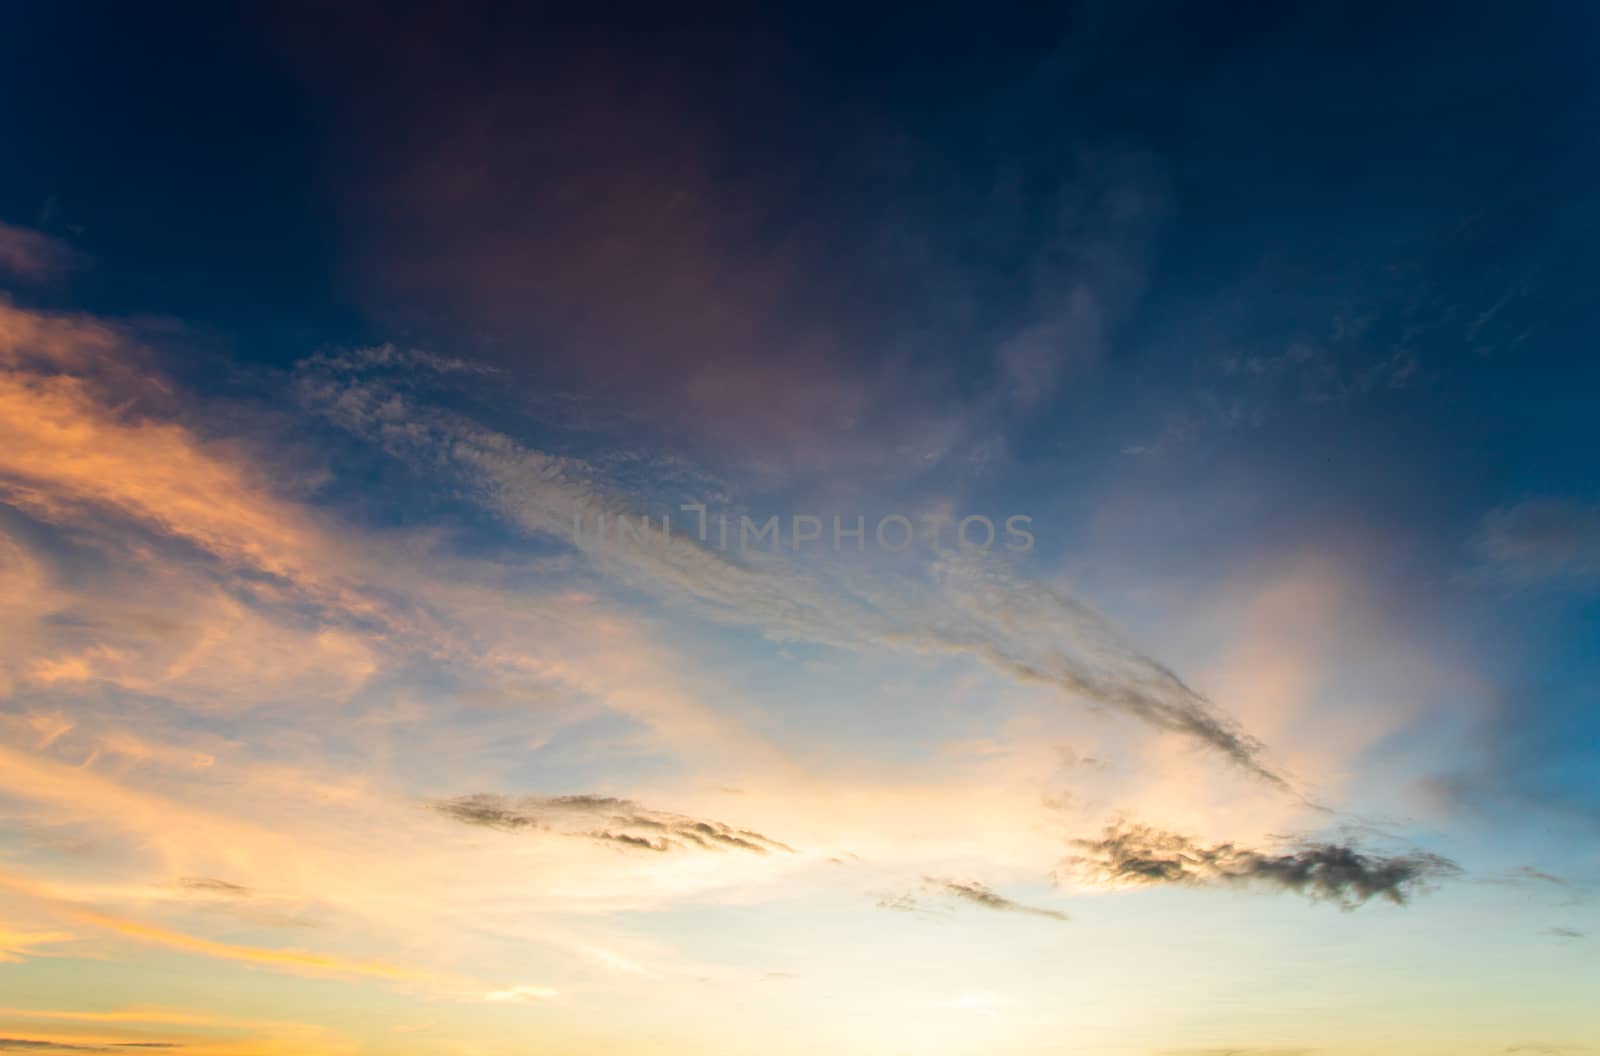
857,530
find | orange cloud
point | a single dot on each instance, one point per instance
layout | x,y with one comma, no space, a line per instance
17,945
126,1015
196,1033
59,443
299,961
69,439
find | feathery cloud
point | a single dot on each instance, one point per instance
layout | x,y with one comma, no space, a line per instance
606,819
972,608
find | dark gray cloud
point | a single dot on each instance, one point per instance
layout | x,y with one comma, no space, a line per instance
1541,540
1333,872
1565,933
979,895
605,819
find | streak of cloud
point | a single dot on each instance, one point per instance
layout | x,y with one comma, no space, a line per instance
210,886
520,994
18,945
303,962
43,1045
1237,1052
973,608
132,1015
1136,855
977,894
605,819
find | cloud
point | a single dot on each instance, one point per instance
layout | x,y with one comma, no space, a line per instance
40,1045
1565,933
18,945
131,1015
1528,872
606,819
969,607
167,564
33,255
72,435
520,994
209,886
1237,1052
1541,540
637,247
977,894
1134,855
722,332
302,962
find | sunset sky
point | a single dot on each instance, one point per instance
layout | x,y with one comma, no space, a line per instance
1111,552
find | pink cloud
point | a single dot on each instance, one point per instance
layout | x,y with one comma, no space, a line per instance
33,255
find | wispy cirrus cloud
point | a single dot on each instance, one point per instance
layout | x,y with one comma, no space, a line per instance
18,944
606,819
304,962
75,434
209,886
974,893
1137,855
1247,1051
971,608
963,892
47,1046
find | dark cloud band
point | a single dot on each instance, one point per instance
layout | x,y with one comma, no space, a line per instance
605,819
1333,872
